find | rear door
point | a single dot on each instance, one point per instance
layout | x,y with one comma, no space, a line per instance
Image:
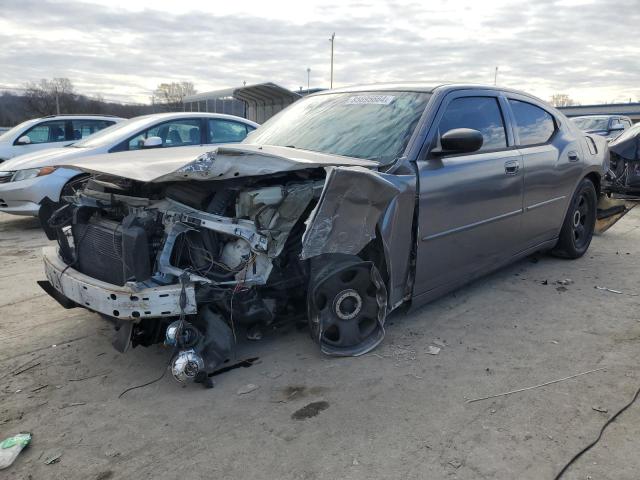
78,129
221,130
470,204
551,162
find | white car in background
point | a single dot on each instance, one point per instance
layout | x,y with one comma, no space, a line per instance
52,131
34,184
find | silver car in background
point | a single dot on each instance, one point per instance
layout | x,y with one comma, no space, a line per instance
49,132
33,185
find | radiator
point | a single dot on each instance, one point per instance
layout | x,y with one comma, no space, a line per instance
98,246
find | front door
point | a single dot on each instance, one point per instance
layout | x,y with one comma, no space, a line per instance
471,204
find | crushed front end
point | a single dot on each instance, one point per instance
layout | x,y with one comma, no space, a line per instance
195,253
187,263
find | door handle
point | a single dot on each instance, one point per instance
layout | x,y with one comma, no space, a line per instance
511,167
573,156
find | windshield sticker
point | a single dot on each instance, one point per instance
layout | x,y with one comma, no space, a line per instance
371,100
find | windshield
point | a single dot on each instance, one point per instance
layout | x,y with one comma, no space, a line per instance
9,134
370,125
114,133
591,123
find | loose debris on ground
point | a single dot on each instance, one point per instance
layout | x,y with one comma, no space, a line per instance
534,386
11,447
250,387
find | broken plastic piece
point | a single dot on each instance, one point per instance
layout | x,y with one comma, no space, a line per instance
11,447
608,290
431,350
248,388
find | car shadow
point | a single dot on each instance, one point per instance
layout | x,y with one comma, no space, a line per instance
14,223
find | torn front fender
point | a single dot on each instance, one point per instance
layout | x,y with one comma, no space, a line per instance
355,204
351,203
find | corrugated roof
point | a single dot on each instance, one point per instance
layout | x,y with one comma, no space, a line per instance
260,92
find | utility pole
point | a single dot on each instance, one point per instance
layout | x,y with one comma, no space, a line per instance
308,76
57,102
495,77
333,36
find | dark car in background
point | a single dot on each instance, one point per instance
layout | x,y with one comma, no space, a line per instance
343,207
609,126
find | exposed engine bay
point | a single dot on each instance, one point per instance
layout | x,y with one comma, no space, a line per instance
194,263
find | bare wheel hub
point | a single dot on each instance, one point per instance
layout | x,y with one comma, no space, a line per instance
347,304
576,218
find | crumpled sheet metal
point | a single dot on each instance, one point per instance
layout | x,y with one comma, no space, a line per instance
627,146
351,204
209,162
223,164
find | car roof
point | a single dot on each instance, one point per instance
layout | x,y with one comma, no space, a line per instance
81,116
174,115
596,116
427,87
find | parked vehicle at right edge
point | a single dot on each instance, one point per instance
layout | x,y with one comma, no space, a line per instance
343,207
608,126
33,185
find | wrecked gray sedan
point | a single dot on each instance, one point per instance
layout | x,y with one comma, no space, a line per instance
342,208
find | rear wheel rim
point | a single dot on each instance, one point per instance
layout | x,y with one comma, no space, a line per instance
582,221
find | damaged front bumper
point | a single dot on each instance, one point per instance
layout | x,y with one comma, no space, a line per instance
133,301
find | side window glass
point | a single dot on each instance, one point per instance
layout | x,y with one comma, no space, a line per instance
47,132
176,133
533,124
479,113
84,128
226,131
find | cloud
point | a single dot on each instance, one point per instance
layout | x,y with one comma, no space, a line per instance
543,47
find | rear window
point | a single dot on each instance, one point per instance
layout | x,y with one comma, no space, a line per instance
534,125
226,131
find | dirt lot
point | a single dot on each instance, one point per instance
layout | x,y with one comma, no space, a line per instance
399,413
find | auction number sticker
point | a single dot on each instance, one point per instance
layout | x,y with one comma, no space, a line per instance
370,100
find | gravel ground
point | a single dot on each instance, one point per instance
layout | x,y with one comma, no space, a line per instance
397,413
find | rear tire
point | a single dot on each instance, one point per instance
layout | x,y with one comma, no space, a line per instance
579,223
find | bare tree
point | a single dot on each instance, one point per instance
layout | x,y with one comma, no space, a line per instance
171,95
562,100
50,97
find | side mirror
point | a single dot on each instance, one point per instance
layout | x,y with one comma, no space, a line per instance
24,140
460,140
152,142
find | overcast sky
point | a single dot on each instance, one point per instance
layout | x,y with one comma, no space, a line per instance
122,49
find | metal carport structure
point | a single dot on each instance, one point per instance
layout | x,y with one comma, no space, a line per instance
255,102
